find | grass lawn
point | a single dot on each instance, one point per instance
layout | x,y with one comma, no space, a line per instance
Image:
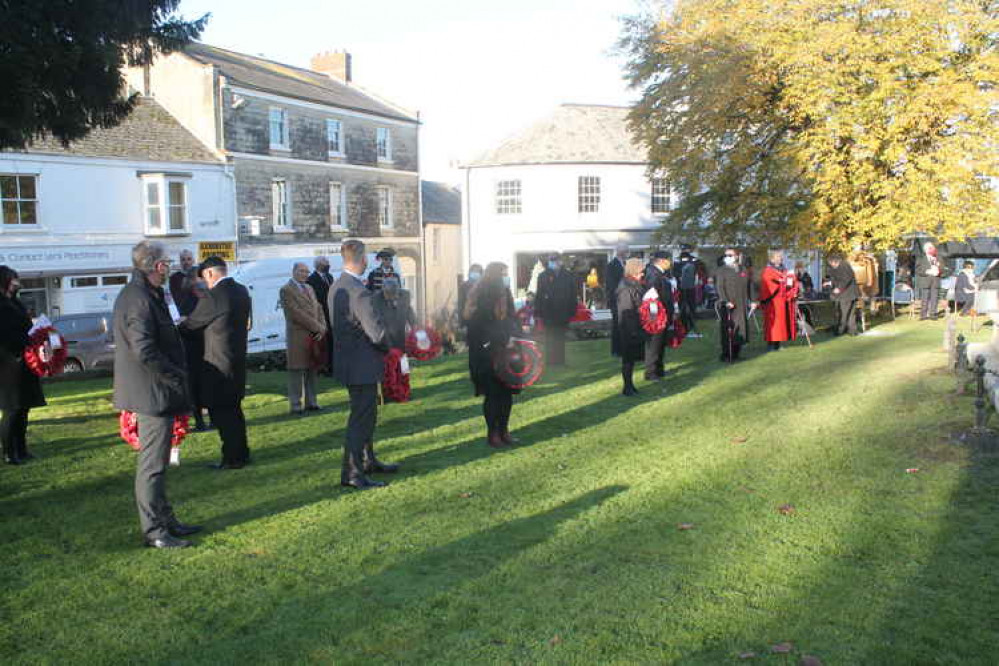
566,549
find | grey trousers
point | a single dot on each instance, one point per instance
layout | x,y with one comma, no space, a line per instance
302,382
155,512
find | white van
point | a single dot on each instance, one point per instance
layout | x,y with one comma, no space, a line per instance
264,279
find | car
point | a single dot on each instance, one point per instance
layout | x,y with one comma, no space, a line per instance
89,341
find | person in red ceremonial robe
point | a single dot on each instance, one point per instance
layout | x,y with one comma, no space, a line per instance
779,300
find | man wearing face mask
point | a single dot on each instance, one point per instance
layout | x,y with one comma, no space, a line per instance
359,342
732,282
150,379
615,273
320,281
555,305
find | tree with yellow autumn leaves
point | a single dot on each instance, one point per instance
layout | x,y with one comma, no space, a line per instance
820,123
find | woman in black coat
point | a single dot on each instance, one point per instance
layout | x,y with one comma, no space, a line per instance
20,388
629,322
492,321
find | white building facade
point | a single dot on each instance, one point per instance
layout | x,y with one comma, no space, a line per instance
70,216
574,183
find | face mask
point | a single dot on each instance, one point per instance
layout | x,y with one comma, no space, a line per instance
474,277
553,265
506,281
729,261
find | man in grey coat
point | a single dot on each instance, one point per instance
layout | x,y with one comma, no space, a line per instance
150,379
358,338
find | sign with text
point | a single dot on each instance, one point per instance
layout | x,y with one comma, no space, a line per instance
223,250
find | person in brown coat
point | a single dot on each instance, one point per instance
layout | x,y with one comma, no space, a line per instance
305,326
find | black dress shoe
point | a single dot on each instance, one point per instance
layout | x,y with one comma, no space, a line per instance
378,467
317,408
224,465
180,529
363,483
13,460
27,455
167,542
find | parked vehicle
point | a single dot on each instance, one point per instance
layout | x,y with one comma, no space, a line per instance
89,341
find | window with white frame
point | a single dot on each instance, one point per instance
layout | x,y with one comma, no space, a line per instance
383,144
589,194
279,128
165,202
281,204
338,207
384,206
508,197
19,195
334,137
661,199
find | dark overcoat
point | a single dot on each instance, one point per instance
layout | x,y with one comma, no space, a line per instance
20,388
632,336
224,317
487,333
358,335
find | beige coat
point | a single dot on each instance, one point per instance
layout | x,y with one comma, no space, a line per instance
303,316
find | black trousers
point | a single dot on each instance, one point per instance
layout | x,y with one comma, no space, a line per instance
360,429
232,431
731,342
555,343
627,375
929,296
846,311
155,512
655,350
688,305
497,406
14,433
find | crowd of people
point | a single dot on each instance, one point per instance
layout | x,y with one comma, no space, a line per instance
183,350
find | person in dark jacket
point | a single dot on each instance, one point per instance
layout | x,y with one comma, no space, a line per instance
965,288
384,269
657,276
615,273
929,271
492,321
686,272
843,281
358,337
20,388
392,305
734,305
474,275
150,379
223,316
182,284
320,280
554,305
194,352
628,302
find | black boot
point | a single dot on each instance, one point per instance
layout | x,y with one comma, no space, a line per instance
352,474
373,465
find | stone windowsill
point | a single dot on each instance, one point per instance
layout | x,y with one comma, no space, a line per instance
284,230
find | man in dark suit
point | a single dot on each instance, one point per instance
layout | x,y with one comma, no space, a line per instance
615,273
554,305
321,280
657,277
845,293
224,316
358,338
150,379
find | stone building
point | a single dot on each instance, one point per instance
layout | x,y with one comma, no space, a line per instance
316,158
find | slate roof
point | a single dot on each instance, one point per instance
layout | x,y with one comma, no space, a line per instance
279,79
441,203
574,133
149,133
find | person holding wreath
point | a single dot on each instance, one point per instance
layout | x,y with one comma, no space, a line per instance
492,322
20,388
631,335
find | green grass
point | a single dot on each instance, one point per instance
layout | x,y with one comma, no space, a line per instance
563,550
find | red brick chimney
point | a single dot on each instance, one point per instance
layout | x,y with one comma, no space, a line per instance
335,64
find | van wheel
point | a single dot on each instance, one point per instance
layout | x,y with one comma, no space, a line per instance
72,365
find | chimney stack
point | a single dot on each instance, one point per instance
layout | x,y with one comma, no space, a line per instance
335,64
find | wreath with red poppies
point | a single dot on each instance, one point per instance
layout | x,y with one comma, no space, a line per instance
128,428
652,314
395,384
519,365
41,356
423,344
